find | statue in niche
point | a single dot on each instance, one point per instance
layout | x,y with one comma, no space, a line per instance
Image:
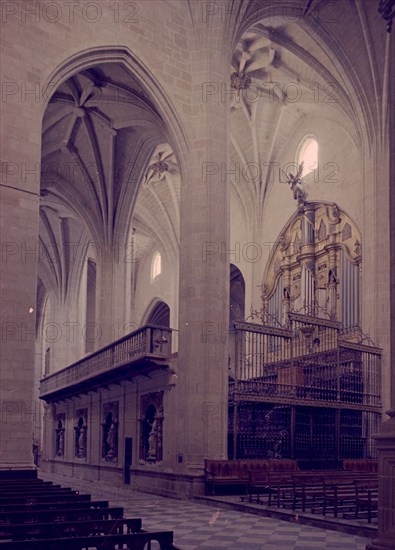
110,437
80,438
151,422
295,182
152,434
153,440
60,439
331,300
286,306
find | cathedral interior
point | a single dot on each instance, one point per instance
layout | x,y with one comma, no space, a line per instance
198,228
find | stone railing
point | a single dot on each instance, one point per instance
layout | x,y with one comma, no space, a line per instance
148,342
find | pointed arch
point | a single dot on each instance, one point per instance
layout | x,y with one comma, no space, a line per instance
237,295
161,110
157,313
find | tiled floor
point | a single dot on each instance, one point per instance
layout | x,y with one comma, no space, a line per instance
202,527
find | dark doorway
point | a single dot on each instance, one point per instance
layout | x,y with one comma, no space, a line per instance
160,315
128,458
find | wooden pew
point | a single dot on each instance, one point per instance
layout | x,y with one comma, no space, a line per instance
33,490
67,514
367,465
307,489
339,490
224,473
278,480
134,541
26,484
366,497
257,486
43,491
236,473
280,487
62,505
70,528
8,502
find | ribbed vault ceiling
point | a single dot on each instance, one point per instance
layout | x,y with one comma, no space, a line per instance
102,138
106,152
280,76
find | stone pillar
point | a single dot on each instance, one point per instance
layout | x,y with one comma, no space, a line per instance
18,268
104,298
204,265
385,440
19,207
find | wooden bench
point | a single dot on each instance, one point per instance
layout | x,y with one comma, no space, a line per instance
339,494
68,514
49,518
307,489
279,474
224,473
27,484
368,465
339,490
280,486
134,541
44,507
6,503
309,486
366,498
70,528
237,473
34,492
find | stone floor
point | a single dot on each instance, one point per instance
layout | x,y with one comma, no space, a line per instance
205,526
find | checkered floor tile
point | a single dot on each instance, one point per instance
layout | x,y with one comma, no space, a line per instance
198,526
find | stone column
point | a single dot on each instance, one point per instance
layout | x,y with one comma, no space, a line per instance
104,298
19,208
204,264
18,276
385,440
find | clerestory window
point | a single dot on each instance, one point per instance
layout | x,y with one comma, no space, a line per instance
156,265
308,154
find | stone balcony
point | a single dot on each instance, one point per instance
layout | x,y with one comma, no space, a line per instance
139,352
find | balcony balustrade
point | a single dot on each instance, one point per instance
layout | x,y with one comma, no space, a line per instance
139,352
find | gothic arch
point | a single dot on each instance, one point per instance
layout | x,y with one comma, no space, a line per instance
157,313
237,295
122,54
154,95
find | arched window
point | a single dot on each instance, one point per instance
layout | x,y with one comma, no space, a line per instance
308,154
156,265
